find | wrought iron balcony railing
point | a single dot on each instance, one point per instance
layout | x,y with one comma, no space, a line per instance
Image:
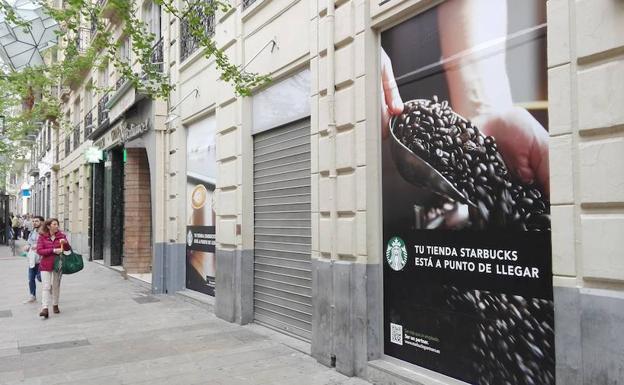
120,82
67,146
83,39
76,136
88,124
102,116
247,3
188,42
157,57
94,23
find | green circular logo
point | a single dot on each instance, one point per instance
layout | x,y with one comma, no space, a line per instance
396,254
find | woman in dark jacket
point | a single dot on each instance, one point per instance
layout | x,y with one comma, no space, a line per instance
51,242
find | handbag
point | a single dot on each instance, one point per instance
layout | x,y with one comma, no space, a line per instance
68,264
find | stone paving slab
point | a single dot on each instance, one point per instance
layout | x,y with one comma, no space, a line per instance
113,331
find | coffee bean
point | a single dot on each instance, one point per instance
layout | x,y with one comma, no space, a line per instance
468,159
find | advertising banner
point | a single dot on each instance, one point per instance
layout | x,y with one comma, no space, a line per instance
466,211
201,165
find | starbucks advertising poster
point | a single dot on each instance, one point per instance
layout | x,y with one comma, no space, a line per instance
466,213
201,167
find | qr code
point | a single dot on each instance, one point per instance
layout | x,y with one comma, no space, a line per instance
396,334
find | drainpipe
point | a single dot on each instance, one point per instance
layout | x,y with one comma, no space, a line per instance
331,128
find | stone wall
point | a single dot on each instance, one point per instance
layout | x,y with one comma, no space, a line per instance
586,68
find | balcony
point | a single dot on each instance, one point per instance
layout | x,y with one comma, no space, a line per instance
67,147
157,58
93,27
88,124
76,136
33,169
188,42
102,116
83,40
247,3
119,83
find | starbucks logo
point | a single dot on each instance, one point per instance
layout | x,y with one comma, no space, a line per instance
189,238
396,254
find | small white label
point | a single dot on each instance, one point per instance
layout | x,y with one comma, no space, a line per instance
396,334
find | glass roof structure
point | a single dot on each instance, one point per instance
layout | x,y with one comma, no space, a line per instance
23,47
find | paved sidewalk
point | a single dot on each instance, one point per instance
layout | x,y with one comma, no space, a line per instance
112,331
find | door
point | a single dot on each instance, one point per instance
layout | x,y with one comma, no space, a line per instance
282,229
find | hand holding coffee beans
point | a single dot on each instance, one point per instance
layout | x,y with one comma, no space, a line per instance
472,163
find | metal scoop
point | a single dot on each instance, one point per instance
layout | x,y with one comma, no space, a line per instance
420,173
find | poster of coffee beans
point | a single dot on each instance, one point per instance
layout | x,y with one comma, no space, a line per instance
466,212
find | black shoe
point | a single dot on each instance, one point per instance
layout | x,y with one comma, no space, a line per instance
44,313
56,309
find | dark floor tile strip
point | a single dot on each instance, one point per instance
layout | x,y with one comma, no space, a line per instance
6,314
54,345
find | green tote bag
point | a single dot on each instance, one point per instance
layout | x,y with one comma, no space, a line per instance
68,264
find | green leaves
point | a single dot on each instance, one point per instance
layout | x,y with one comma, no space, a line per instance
28,97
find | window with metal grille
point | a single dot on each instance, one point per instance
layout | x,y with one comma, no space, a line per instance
247,3
102,116
189,43
88,124
67,146
76,136
49,138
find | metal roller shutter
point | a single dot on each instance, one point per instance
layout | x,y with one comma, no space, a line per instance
282,228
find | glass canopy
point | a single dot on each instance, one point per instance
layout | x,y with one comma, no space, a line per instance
23,47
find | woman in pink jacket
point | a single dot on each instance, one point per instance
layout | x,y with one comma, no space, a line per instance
51,242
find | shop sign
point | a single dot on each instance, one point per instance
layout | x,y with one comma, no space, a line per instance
467,267
134,130
100,143
94,155
109,139
25,192
115,135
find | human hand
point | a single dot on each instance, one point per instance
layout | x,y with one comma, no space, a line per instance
58,251
391,103
522,141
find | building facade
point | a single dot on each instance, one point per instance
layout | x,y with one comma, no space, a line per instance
281,204
105,202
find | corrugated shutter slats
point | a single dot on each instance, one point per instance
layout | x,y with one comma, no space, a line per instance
282,228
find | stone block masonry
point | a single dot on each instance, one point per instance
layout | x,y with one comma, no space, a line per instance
585,47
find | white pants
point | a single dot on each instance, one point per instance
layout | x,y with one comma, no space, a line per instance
51,282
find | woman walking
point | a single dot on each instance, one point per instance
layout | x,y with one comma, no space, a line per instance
51,242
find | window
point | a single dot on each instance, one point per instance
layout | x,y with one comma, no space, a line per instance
124,50
67,146
151,18
103,76
247,3
49,137
76,112
188,42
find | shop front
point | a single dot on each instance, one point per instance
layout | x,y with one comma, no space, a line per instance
467,264
107,198
282,273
